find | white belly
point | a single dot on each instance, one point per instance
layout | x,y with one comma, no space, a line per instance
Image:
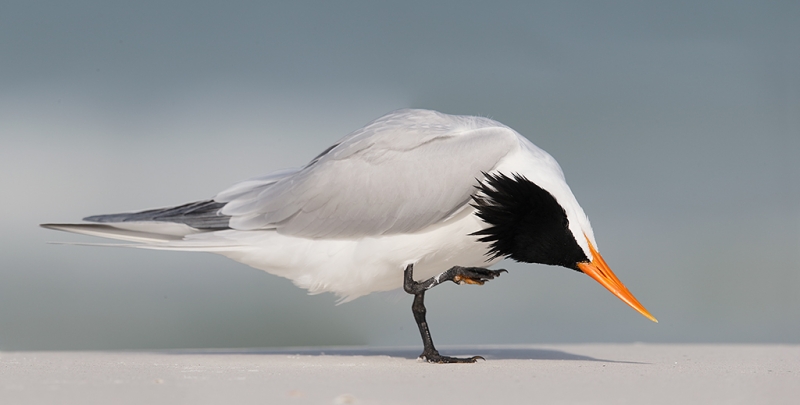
352,268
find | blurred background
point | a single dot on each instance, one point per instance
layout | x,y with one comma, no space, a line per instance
677,124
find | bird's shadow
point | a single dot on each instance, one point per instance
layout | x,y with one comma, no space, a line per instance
489,353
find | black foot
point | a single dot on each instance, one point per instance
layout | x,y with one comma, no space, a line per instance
456,274
470,275
437,358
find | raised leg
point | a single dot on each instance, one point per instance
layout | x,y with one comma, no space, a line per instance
457,274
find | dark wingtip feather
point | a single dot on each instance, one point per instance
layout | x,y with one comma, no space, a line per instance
200,215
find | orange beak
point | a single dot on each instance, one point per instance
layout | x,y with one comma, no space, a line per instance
599,271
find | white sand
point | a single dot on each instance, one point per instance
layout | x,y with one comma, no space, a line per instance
545,374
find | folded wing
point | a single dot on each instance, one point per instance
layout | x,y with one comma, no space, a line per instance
399,174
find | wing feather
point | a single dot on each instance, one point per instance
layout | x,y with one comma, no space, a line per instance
401,173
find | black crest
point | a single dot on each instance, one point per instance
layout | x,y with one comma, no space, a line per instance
527,223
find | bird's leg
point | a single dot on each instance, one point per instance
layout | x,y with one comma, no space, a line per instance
456,274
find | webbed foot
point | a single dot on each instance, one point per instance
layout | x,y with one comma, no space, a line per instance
437,358
470,275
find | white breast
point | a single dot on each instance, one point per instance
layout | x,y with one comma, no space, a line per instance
352,268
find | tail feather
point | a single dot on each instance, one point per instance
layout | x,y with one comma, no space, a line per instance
181,246
156,226
141,232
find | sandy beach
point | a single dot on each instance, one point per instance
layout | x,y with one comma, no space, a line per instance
585,373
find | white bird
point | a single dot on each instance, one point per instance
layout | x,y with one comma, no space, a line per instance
413,195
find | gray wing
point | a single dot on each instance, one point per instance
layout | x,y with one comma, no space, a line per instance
202,215
401,173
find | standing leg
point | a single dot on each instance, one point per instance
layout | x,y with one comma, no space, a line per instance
457,274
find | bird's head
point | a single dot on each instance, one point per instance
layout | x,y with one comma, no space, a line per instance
529,224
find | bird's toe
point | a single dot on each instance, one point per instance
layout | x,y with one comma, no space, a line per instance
439,359
475,275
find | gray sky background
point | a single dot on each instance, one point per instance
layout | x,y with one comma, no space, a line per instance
677,124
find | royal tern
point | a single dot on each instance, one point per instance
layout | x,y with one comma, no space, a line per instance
414,195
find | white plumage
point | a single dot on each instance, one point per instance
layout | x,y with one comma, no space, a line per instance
393,193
